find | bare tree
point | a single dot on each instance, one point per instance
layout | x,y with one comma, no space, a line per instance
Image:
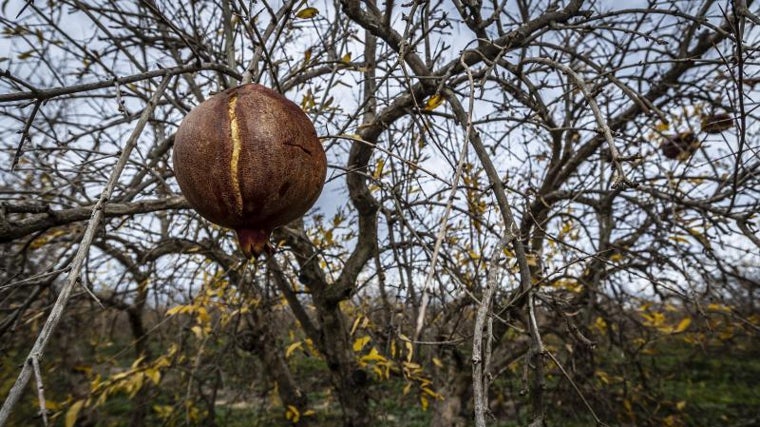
512,184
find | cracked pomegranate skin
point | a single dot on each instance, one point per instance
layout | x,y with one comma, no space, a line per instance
249,159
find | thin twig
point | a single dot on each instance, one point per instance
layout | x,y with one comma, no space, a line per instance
40,388
600,121
575,387
25,134
438,242
45,94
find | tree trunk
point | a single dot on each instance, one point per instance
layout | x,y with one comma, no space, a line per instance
259,342
349,380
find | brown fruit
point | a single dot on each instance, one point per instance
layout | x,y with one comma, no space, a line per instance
680,146
249,159
717,123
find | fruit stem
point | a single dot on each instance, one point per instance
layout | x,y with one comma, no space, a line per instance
254,242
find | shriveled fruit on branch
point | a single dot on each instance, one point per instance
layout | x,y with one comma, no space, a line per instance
249,159
680,146
717,123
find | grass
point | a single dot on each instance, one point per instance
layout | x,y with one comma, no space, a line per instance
717,387
688,386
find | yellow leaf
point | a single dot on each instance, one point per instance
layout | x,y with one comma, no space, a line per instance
600,324
602,376
177,309
682,325
681,405
437,362
293,347
308,101
135,384
373,356
52,405
356,324
307,13
46,238
137,362
307,56
532,260
409,350
407,389
163,411
424,402
346,58
198,331
293,414
434,102
359,343
203,316
718,307
430,392
616,257
679,239
154,375
73,413
662,126
379,166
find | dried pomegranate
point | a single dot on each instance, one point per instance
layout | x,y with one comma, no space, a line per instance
249,159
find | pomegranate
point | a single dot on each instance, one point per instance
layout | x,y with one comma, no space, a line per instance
249,159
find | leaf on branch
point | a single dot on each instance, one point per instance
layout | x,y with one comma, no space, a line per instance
378,169
73,413
293,347
662,126
307,13
179,309
434,102
682,325
25,55
154,375
360,342
307,56
717,123
292,414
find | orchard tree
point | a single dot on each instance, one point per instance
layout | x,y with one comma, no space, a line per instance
524,197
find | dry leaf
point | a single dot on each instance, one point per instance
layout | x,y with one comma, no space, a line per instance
307,13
